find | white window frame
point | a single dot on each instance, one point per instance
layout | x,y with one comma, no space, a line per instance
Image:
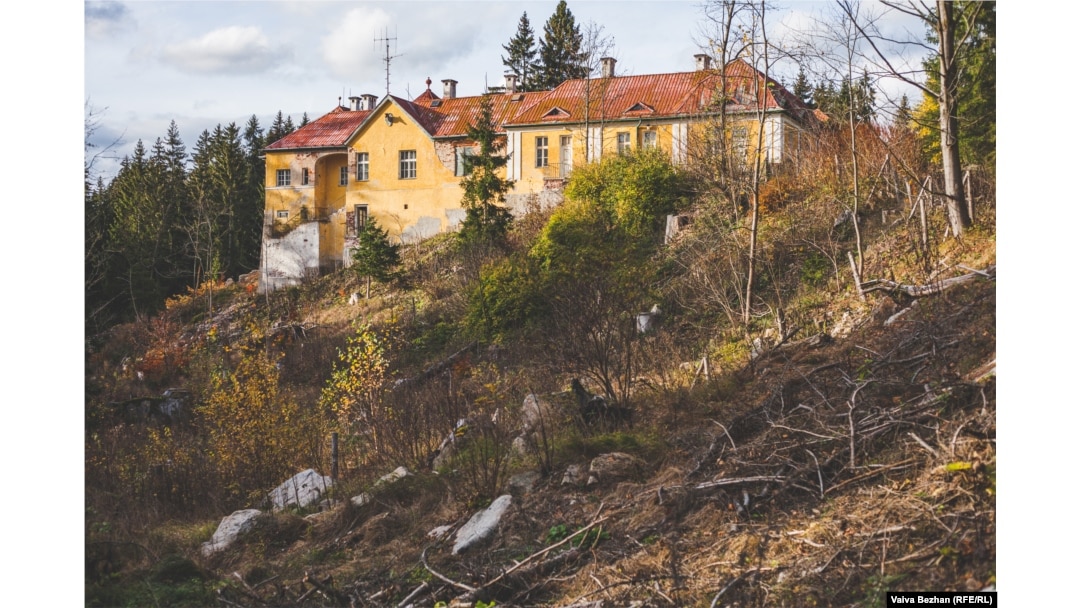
622,142
283,214
541,151
305,177
460,153
407,164
362,166
343,179
740,142
284,178
649,139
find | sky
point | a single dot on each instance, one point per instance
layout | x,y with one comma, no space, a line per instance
208,63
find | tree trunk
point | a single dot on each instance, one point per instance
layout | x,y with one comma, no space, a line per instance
950,145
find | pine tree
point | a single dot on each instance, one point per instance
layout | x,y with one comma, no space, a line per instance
903,114
278,129
801,88
304,120
560,50
485,191
521,57
375,257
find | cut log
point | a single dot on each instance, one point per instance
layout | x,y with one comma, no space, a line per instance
919,291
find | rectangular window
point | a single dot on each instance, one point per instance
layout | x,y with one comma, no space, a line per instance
361,166
407,164
343,180
361,217
648,139
305,177
282,215
284,177
541,152
462,152
565,159
622,143
739,142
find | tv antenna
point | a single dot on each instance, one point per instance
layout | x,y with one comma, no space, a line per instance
386,58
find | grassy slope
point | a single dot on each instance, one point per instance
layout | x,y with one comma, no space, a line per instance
912,508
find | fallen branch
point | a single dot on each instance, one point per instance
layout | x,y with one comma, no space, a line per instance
326,588
919,291
736,481
471,593
416,592
423,560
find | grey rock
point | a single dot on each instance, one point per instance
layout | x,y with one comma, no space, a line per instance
482,525
231,528
301,490
524,482
574,475
395,475
616,466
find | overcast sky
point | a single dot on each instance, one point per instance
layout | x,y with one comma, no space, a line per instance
208,63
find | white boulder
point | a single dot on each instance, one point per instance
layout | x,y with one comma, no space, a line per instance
482,525
301,490
230,528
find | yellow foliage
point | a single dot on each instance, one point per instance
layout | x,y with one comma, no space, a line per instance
257,436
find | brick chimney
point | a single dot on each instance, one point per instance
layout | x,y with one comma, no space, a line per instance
449,88
511,82
703,61
607,67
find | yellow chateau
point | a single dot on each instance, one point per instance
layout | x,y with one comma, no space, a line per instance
400,161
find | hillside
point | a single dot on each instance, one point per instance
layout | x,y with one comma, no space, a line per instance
829,450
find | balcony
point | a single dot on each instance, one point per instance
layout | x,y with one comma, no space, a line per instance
558,171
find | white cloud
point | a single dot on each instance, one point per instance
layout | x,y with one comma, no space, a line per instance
349,49
229,50
106,19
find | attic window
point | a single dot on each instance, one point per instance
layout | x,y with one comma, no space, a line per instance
436,103
639,107
518,97
555,113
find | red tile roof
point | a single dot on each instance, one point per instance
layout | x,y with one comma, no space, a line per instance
458,114
329,131
656,96
620,97
427,96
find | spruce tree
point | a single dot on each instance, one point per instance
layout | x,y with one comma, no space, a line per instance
375,257
521,57
802,88
560,50
485,191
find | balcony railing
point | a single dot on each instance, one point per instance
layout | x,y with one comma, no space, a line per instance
557,171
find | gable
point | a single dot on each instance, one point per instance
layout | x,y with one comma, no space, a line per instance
555,113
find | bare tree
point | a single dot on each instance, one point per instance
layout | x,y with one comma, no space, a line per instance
723,37
944,23
595,45
759,59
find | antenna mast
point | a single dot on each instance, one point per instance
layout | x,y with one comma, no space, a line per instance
386,58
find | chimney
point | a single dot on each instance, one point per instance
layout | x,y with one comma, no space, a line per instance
607,67
511,82
369,102
703,61
354,103
449,88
